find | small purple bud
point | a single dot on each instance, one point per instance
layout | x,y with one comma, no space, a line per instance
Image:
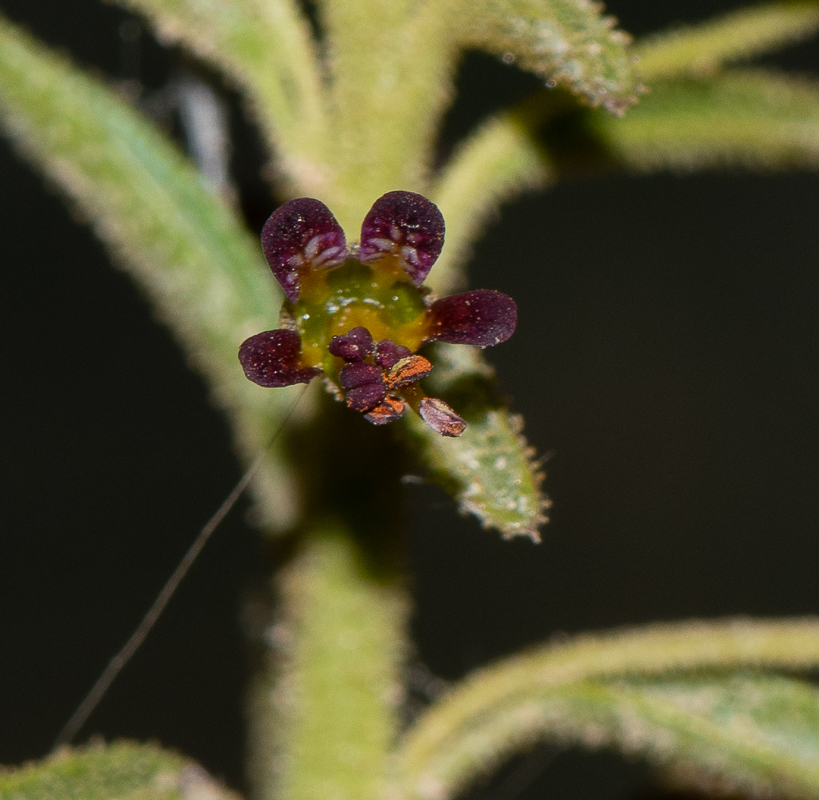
301,235
354,375
366,397
355,345
440,417
406,225
482,317
272,358
387,353
364,386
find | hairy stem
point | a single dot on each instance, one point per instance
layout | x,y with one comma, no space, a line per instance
323,713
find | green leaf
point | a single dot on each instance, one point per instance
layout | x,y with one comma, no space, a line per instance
381,50
490,469
705,48
750,734
630,690
566,42
496,163
122,770
749,118
267,48
184,247
758,736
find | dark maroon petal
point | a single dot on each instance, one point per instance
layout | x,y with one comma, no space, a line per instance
354,375
440,417
407,225
301,235
391,409
366,397
482,317
387,353
272,358
355,345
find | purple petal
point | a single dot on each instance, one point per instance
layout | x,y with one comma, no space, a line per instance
272,358
355,375
482,317
391,409
387,353
406,225
355,345
301,235
440,417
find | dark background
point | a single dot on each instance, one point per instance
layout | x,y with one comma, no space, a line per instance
666,356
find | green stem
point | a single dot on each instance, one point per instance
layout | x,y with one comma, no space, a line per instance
324,711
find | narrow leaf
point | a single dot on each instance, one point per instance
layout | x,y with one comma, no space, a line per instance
565,42
749,118
749,734
703,49
490,469
122,770
267,48
495,164
413,53
500,708
754,735
183,246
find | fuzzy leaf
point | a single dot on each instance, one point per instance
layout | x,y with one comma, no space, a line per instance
703,49
380,50
123,770
758,736
184,247
266,47
566,42
490,469
751,118
645,692
748,734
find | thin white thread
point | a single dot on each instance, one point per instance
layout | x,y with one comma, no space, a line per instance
116,664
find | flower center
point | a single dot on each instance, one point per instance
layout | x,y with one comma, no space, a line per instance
374,296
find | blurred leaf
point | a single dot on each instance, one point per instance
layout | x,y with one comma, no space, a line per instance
265,46
763,731
490,469
567,42
185,248
747,32
757,734
751,118
381,50
123,770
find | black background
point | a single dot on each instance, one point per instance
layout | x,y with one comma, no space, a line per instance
666,357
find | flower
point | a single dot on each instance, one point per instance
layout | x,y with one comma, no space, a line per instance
359,314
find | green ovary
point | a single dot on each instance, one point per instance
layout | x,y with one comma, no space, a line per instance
379,299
